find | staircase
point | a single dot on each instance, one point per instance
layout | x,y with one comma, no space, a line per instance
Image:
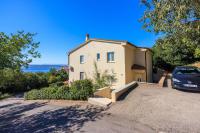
100,101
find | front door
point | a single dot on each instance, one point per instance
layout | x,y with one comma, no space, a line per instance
138,77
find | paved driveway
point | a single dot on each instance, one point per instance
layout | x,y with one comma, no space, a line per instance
145,109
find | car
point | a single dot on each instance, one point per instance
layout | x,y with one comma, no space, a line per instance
186,78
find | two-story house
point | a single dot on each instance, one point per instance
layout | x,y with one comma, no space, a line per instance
127,61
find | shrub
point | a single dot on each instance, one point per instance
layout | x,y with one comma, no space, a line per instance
5,95
52,79
12,81
103,79
79,90
62,75
58,76
48,93
35,80
57,84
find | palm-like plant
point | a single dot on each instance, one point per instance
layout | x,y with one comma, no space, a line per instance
103,79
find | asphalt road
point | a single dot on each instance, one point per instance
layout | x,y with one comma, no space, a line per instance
145,109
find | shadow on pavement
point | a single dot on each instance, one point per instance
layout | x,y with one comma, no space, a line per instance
8,105
124,95
66,119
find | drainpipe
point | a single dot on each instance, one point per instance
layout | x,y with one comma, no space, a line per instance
146,64
68,59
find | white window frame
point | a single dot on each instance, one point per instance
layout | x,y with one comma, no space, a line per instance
99,56
82,75
112,58
82,59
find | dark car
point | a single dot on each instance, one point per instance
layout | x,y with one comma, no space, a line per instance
186,78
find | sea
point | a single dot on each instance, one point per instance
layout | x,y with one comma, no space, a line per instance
42,68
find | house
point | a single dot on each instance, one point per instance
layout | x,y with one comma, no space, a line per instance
127,61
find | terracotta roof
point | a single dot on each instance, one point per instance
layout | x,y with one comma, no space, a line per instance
104,40
138,67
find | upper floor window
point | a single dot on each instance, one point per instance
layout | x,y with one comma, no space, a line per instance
110,57
98,56
82,59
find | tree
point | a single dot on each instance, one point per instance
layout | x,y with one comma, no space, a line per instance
17,50
178,22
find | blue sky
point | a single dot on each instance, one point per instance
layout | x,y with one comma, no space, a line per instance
62,24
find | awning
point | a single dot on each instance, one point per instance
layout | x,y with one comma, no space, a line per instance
137,67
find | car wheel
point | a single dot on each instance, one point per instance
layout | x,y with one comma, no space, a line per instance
173,86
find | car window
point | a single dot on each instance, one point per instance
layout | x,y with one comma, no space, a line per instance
187,71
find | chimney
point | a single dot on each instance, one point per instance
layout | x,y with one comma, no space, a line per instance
87,37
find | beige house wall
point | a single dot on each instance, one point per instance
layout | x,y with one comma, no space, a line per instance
129,61
90,51
140,57
125,57
140,60
149,66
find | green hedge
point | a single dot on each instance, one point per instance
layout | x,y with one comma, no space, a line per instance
5,95
79,90
12,81
57,76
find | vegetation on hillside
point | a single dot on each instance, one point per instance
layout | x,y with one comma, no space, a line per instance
17,51
178,23
12,81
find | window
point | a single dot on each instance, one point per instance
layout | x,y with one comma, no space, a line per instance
98,75
98,56
187,71
81,75
110,57
81,59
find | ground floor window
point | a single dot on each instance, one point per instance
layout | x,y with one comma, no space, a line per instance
81,75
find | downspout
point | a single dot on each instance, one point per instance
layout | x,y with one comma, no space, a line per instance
68,58
69,68
146,64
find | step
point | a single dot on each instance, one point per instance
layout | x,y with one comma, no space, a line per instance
100,101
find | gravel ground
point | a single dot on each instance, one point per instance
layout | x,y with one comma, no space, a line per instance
146,109
162,109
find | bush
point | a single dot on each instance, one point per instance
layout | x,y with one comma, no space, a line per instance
12,81
103,79
58,76
79,90
35,80
57,84
5,95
